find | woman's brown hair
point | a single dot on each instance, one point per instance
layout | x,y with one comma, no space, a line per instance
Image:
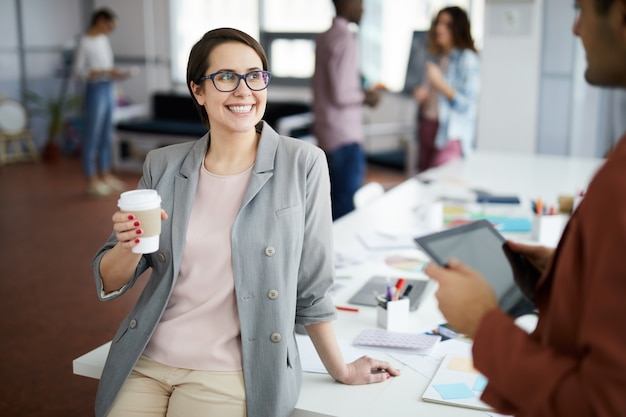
199,58
460,28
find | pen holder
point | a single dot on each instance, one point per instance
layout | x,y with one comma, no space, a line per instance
394,316
547,229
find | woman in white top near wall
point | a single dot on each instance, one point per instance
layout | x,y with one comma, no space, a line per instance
93,64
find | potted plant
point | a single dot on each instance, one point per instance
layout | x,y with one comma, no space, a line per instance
56,108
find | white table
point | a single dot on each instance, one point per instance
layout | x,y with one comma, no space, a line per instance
525,175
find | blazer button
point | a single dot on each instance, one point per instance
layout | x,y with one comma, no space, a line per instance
161,257
272,294
276,337
132,324
270,251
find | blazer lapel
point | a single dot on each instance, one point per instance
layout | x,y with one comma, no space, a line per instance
264,165
185,185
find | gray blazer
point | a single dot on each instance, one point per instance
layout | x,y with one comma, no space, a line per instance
282,254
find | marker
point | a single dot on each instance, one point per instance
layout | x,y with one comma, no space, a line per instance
344,308
407,291
539,207
399,284
389,294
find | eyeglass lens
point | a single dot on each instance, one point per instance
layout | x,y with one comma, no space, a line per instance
229,81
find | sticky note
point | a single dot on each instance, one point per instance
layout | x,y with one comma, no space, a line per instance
462,365
480,383
457,391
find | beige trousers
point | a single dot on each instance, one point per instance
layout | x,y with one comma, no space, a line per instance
157,390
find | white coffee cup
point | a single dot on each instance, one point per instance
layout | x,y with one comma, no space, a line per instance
145,205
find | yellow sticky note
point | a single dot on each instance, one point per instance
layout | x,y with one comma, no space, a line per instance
462,365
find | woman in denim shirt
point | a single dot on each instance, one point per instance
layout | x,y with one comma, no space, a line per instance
448,97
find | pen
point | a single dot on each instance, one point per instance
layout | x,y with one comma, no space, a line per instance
389,295
399,284
407,291
344,308
539,207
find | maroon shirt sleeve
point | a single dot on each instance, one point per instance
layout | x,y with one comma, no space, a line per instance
574,363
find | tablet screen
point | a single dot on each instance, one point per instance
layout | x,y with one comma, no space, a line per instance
478,245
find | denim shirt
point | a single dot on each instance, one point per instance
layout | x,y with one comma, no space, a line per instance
457,117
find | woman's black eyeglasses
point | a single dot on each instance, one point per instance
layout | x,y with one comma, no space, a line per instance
227,81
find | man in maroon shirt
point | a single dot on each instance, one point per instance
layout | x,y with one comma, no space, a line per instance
574,363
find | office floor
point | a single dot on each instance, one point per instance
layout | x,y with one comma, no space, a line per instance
49,312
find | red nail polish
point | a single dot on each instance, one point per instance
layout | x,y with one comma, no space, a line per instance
131,217
137,240
388,376
138,231
136,224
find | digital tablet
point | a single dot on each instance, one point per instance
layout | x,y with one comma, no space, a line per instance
480,246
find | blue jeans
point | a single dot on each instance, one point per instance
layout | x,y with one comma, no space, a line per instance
98,127
347,172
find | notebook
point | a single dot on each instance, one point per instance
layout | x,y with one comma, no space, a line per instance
457,383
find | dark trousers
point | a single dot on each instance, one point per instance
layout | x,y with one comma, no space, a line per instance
347,172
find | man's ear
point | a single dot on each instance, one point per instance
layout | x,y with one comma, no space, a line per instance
198,92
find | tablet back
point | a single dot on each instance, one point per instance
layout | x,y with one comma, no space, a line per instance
479,245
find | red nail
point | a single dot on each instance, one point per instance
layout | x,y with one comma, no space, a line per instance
137,240
138,231
131,217
388,376
136,224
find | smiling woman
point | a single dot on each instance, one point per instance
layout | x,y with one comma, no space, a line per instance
229,281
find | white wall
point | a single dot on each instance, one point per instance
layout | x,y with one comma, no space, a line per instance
141,38
535,98
510,64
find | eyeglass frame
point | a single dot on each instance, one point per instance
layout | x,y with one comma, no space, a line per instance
240,77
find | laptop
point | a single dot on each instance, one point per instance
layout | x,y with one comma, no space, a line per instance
366,295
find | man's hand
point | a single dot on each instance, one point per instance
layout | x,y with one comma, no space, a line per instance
525,271
464,296
372,97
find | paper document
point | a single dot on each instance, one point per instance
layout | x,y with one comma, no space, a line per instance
311,361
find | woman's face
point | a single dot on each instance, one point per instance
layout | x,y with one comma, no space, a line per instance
106,26
236,111
443,31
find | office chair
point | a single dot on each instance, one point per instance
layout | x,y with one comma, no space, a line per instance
367,193
14,130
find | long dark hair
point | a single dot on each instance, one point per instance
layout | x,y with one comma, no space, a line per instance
461,31
199,58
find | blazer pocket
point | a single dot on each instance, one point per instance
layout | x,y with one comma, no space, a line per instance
287,210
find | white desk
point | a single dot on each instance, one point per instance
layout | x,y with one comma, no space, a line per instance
527,176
